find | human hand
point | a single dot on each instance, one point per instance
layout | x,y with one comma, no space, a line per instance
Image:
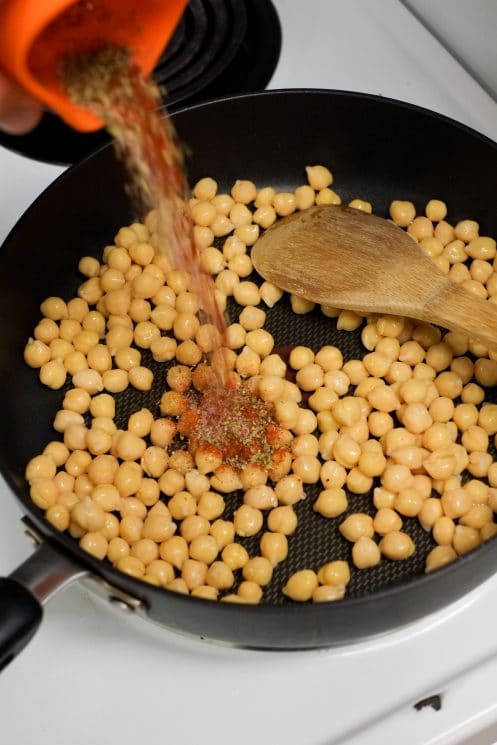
18,111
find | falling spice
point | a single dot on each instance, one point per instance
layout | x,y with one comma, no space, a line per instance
109,84
235,421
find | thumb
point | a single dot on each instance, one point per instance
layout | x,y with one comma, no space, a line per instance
18,111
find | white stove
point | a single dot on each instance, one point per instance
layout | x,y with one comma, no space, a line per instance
94,674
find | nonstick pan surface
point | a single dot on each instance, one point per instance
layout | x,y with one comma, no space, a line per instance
378,150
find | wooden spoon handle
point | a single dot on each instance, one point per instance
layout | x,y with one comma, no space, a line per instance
459,310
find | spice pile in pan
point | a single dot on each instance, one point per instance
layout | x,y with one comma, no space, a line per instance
404,431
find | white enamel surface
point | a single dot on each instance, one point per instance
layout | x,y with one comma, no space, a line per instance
93,674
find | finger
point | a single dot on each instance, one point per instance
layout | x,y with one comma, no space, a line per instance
18,112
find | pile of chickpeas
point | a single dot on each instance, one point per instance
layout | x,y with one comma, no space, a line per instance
407,423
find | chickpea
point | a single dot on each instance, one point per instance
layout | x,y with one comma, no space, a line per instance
485,372
402,213
379,423
146,550
475,438
348,320
327,196
117,549
36,353
372,463
223,531
306,422
219,575
388,345
370,336
386,520
365,553
266,216
357,525
274,547
465,539
307,468
331,502
358,482
384,399
270,294
205,188
438,557
396,477
328,593
478,516
247,520
74,362
243,191
234,555
58,515
43,492
174,551
178,585
304,197
225,479
77,464
57,451
334,574
441,409
478,490
408,502
301,585
430,512
282,520
140,377
416,418
273,366
483,247
456,502
479,463
260,341
251,592
40,467
489,530
161,571
396,545
338,381
263,497
95,544
319,177
436,210
53,374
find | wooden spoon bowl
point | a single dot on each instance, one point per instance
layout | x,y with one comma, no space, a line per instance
348,259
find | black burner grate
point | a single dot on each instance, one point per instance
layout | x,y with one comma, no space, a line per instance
220,47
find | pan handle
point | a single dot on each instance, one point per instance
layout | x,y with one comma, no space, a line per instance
21,596
20,616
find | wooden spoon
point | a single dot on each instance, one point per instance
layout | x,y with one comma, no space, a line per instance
345,258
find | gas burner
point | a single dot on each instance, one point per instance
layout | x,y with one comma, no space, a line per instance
220,47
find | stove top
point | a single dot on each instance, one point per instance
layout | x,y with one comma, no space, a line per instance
92,673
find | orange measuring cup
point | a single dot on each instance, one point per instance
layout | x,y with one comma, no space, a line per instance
35,35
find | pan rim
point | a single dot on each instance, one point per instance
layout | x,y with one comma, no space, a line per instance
140,589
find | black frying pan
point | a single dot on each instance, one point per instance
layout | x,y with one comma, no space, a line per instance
378,150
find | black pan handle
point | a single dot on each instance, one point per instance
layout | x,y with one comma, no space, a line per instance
21,596
20,616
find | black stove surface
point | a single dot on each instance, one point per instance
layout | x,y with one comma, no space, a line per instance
220,47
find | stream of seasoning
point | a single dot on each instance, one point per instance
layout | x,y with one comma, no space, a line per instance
112,87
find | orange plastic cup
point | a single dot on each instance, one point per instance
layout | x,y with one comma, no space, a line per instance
36,34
